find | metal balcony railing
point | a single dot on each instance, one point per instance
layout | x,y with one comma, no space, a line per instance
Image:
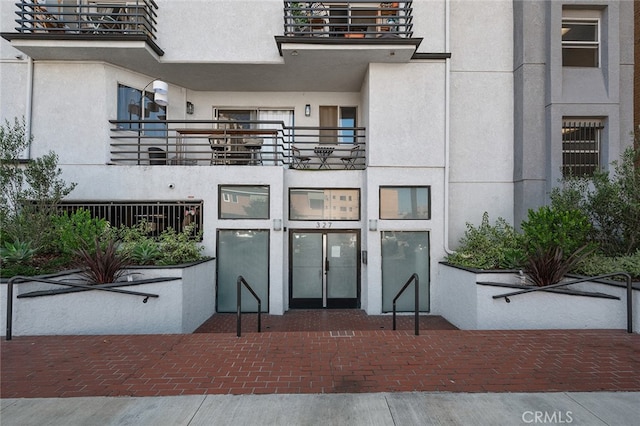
238,143
132,17
352,19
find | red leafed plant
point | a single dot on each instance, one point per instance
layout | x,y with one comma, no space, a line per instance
103,263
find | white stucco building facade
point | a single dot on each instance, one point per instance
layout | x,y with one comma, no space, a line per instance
455,107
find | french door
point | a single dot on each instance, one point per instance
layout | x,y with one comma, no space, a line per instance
324,269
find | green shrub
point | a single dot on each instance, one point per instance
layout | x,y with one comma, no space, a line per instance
598,264
548,228
29,191
179,247
77,230
611,202
489,246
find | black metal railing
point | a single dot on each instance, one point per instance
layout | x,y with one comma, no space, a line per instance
627,277
240,282
250,142
413,279
133,17
157,216
80,287
352,19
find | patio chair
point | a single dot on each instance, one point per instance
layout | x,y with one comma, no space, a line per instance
350,160
299,161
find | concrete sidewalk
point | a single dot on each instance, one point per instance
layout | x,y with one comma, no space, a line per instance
412,408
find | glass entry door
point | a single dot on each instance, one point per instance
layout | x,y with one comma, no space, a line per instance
325,269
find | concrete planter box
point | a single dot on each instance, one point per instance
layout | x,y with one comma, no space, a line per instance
186,299
466,300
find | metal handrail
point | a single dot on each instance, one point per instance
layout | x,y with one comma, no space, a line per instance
19,278
581,280
411,279
241,281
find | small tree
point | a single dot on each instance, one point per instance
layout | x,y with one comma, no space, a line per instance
31,190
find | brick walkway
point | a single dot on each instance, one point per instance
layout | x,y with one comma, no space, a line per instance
321,362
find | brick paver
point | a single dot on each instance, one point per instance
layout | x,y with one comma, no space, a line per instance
321,362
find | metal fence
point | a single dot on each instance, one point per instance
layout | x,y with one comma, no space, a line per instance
156,215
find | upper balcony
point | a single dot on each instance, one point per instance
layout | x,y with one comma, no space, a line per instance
384,28
320,46
114,30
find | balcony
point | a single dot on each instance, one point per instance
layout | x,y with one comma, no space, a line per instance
355,19
238,143
68,29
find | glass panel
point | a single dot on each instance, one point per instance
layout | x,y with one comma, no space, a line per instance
342,276
580,56
411,202
580,31
246,253
324,204
131,105
244,202
347,119
238,115
404,253
306,265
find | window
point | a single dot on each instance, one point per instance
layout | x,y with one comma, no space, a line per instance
322,204
405,202
243,202
580,39
131,104
581,141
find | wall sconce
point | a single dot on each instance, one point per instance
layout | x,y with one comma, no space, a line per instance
189,108
307,110
277,224
373,224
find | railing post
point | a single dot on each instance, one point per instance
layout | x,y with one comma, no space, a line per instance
239,307
417,304
415,278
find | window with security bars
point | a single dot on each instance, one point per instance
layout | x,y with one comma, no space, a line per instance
581,144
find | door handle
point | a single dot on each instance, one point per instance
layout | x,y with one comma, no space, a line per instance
326,265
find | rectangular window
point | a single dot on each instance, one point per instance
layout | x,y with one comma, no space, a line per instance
318,204
580,42
581,144
405,202
133,106
243,202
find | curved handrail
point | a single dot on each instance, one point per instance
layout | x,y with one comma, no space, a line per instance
414,277
19,278
241,281
581,280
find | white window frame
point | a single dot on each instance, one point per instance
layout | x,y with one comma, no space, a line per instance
593,18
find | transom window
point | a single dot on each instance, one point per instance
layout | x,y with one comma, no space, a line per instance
581,145
324,204
405,202
580,40
243,202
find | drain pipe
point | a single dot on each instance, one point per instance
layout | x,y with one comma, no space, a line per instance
447,120
28,105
